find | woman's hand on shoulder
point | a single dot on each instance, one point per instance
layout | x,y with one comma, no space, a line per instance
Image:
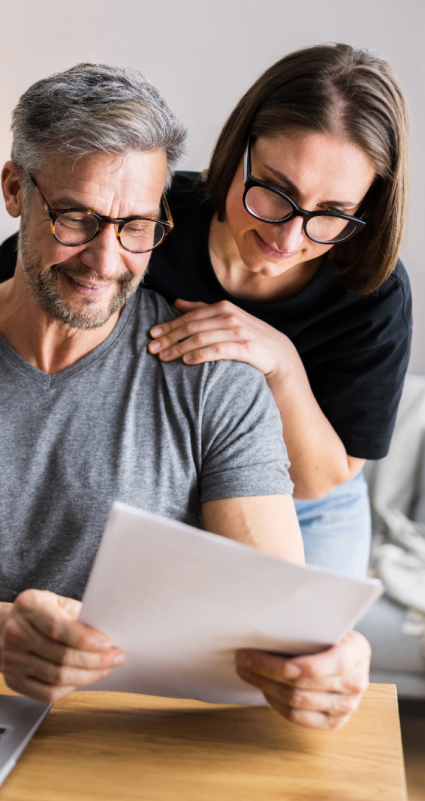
208,333
320,691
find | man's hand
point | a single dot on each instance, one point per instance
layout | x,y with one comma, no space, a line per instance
46,652
320,691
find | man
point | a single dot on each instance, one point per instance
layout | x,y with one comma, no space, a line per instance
89,416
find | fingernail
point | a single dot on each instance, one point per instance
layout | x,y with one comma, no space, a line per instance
291,671
102,645
165,353
243,659
188,357
154,346
156,332
119,659
107,672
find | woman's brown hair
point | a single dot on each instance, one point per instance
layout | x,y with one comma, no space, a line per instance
332,89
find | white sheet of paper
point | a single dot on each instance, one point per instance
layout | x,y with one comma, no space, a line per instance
180,601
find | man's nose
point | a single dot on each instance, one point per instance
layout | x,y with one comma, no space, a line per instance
103,253
290,236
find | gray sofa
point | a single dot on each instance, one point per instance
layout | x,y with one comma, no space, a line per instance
395,630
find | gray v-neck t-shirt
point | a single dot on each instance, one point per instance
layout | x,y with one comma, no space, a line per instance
121,425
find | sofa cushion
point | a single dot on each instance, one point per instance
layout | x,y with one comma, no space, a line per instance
393,649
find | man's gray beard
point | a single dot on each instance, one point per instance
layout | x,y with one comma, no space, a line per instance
43,286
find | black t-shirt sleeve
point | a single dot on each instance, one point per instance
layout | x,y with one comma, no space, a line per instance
359,386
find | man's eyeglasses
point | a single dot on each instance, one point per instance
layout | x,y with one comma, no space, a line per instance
74,227
269,204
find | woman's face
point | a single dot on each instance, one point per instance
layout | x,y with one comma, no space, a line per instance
319,172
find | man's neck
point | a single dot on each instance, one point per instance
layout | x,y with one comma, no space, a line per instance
43,342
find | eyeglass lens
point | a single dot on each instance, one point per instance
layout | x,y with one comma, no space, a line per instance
77,228
271,207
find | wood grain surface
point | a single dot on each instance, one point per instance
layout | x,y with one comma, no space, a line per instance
113,746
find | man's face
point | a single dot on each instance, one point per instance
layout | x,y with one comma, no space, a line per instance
83,286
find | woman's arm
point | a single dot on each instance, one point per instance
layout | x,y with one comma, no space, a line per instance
319,461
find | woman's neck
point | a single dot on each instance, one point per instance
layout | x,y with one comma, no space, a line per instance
241,282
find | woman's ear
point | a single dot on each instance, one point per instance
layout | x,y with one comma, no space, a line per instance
11,183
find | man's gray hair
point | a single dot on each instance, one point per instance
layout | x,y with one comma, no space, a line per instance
93,108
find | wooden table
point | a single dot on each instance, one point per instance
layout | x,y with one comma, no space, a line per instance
113,746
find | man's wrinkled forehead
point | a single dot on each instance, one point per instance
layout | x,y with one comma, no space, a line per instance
111,184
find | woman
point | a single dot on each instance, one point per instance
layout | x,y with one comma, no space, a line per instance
314,299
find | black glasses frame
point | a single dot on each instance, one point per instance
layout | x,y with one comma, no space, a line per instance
167,225
250,181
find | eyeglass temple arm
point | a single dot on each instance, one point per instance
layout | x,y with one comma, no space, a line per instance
44,202
167,211
247,160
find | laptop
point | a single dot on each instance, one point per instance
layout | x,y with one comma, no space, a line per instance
20,718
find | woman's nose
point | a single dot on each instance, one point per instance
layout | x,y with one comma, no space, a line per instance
290,235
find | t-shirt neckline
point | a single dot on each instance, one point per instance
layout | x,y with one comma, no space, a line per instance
49,380
320,278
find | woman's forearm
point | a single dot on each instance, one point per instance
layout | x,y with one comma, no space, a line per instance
319,461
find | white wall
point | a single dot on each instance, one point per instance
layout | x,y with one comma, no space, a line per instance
204,55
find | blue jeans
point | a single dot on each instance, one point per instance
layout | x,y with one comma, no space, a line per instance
336,529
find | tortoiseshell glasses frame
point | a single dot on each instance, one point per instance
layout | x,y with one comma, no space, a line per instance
100,221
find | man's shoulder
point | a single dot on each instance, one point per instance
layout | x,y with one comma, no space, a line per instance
151,309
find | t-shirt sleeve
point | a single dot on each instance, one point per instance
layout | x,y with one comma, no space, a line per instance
359,388
243,452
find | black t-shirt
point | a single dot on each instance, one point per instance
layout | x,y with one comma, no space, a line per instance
355,348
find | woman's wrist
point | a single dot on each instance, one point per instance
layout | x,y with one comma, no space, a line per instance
288,368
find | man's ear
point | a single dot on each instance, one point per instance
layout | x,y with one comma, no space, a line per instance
13,192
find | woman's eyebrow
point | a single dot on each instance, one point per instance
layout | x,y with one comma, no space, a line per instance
282,177
345,204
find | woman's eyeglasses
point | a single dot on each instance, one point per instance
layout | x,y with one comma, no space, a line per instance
74,227
269,204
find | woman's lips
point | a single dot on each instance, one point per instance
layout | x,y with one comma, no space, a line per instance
268,251
90,290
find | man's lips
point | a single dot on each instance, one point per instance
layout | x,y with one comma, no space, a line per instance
269,251
85,287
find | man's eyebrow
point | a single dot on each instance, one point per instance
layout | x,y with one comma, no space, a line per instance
345,204
65,202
